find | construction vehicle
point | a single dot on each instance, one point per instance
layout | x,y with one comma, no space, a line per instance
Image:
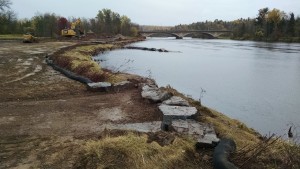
29,38
74,31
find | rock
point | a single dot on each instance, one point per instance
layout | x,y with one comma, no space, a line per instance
152,93
150,87
162,50
99,86
176,101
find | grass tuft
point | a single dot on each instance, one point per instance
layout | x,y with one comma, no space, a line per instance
79,60
133,151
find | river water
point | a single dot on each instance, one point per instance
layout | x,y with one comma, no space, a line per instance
255,82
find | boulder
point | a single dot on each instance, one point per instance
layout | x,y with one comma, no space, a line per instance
162,50
176,101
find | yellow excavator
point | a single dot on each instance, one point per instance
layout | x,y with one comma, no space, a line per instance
29,38
74,31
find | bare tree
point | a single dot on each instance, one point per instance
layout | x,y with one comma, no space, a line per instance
4,4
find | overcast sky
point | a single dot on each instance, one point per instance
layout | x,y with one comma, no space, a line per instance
156,12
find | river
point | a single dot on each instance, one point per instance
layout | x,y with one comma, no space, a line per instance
257,83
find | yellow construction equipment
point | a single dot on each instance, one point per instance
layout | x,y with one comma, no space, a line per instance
74,31
29,38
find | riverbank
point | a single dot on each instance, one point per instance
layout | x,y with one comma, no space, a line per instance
283,39
29,116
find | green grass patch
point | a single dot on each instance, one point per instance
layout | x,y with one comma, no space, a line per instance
11,37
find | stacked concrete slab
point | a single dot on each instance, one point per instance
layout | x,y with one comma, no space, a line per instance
178,116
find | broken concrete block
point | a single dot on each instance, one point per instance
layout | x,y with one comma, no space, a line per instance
180,126
209,138
152,93
99,86
176,101
204,133
171,113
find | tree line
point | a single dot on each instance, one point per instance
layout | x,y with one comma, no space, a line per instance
268,25
105,23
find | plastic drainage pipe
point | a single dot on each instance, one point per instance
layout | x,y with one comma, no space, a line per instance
221,154
67,73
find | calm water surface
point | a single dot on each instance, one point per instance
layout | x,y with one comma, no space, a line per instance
255,82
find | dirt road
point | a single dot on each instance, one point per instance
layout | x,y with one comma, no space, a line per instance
45,117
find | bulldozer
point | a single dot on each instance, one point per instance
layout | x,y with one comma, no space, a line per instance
74,31
29,38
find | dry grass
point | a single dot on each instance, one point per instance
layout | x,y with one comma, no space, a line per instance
133,151
79,60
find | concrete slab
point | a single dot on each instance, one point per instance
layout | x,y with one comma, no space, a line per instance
153,126
176,101
99,86
168,110
204,133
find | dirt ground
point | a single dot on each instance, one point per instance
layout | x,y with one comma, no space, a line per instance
45,117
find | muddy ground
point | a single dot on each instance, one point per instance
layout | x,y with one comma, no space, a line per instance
45,118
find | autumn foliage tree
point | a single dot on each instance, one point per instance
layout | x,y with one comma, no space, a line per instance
62,23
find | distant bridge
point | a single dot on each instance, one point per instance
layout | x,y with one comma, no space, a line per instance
180,34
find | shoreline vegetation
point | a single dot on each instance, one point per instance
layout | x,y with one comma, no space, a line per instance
253,150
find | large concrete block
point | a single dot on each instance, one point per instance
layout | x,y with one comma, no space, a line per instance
176,101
